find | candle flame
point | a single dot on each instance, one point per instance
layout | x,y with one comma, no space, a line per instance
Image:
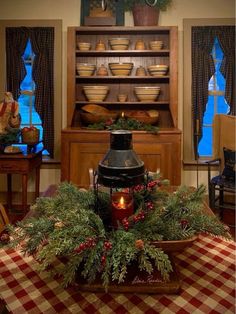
122,203
122,114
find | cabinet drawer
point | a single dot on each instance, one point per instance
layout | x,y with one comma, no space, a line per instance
8,166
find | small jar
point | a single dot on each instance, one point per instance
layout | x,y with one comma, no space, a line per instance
102,70
100,46
140,71
122,97
139,45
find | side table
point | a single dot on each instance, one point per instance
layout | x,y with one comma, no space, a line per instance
21,164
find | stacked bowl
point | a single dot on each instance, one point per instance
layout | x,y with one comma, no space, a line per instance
85,69
95,93
158,69
155,44
121,69
147,93
83,46
119,43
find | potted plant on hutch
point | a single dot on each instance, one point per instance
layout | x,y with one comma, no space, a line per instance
146,12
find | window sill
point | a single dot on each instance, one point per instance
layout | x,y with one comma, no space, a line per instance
201,164
48,162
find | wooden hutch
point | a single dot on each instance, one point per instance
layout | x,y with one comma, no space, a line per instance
83,148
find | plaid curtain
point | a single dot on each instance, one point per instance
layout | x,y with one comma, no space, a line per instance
42,40
16,40
226,36
203,68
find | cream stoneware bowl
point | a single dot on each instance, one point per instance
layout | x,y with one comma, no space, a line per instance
84,46
156,44
85,69
95,93
147,93
158,69
121,69
119,43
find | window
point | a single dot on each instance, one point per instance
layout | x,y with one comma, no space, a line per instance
216,102
56,25
214,99
40,67
26,100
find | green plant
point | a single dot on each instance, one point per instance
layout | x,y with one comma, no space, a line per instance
69,238
159,4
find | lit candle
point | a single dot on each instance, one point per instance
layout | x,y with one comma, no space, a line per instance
122,207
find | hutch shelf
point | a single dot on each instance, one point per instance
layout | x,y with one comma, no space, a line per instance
83,148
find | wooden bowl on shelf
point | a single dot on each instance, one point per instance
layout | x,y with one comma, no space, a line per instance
93,113
90,118
146,117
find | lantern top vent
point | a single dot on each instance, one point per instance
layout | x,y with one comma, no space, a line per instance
121,167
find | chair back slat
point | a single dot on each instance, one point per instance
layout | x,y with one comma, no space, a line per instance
3,218
224,127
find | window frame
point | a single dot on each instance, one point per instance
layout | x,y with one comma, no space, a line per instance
188,145
57,24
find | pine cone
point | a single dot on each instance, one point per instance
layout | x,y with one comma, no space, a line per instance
139,244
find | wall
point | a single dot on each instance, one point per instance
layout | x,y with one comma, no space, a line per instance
69,13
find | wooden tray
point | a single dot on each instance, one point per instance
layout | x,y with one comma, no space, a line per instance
136,282
174,246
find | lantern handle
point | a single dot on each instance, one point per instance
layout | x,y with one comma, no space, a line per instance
104,5
151,4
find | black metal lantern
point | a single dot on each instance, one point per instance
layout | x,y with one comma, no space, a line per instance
120,170
121,167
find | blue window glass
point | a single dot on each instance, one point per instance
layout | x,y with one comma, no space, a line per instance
216,102
26,101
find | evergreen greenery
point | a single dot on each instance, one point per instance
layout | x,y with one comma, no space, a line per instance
123,124
66,227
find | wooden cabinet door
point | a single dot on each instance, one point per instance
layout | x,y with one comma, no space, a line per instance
84,156
157,157
80,152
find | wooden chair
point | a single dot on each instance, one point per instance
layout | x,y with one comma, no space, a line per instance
3,218
221,187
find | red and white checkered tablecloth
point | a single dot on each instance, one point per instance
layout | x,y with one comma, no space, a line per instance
207,272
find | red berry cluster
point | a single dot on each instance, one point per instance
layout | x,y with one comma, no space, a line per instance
125,223
103,260
153,183
89,243
140,216
149,205
109,122
184,223
139,188
107,245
